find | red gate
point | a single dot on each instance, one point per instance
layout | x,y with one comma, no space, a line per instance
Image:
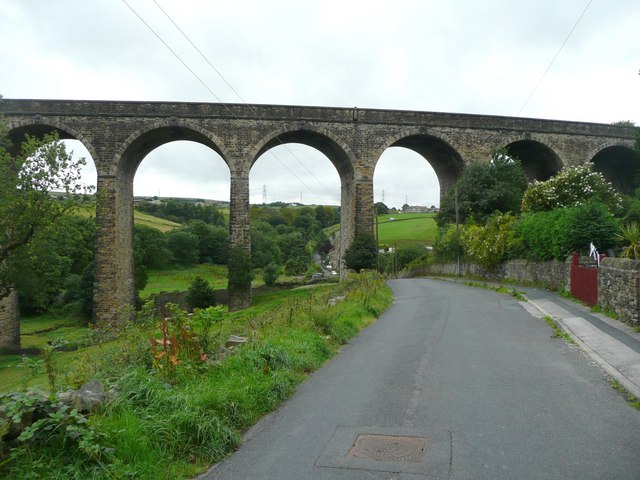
584,282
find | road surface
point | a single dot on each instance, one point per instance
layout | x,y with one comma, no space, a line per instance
452,382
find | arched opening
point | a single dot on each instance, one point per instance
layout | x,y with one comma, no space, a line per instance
406,198
181,205
538,161
297,199
115,267
620,166
445,161
403,177
183,169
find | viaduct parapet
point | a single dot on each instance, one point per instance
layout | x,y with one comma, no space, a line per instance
118,135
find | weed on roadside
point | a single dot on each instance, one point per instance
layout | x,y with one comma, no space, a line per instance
632,400
557,331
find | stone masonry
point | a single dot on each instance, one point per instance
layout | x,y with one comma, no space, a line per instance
619,288
118,135
10,322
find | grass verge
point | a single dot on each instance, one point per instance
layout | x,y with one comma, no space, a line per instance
179,404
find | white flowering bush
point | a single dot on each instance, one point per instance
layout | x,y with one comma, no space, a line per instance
571,187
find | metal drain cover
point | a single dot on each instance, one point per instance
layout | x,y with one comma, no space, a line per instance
388,448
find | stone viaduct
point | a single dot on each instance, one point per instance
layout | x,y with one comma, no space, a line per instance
118,135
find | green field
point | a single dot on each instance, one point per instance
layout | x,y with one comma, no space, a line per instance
407,229
179,279
150,221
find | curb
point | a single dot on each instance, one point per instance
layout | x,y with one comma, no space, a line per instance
631,387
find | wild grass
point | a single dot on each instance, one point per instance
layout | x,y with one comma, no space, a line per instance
172,417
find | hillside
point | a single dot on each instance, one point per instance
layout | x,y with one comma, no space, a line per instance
406,229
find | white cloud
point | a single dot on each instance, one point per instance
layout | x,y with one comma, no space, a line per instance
457,56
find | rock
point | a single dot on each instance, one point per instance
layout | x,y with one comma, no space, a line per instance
222,353
332,302
87,399
234,341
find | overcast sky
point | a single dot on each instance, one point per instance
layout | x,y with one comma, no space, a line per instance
483,57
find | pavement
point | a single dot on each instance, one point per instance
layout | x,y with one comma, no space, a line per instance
612,344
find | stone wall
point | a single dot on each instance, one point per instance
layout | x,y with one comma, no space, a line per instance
618,280
619,288
10,322
552,275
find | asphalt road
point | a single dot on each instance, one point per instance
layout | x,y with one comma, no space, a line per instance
451,382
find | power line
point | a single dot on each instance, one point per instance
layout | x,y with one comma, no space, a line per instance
172,51
230,86
554,57
206,59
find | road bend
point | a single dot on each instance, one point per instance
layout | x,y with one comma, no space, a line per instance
452,382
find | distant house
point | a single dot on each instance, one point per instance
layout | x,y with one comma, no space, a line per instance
419,209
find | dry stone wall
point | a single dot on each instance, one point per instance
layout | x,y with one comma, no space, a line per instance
619,288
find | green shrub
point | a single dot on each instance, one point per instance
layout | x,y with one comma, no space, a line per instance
200,294
557,233
240,269
448,245
362,252
491,244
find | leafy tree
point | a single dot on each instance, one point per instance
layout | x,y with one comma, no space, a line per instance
362,253
572,186
200,294
184,246
240,269
45,265
264,244
154,247
42,165
270,274
212,241
381,208
483,189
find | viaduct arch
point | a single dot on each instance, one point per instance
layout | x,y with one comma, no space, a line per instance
119,134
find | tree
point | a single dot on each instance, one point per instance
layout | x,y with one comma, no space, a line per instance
46,265
27,206
381,208
200,294
240,269
572,186
184,247
362,253
270,274
154,247
483,189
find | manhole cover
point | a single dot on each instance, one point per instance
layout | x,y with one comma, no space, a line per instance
388,448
